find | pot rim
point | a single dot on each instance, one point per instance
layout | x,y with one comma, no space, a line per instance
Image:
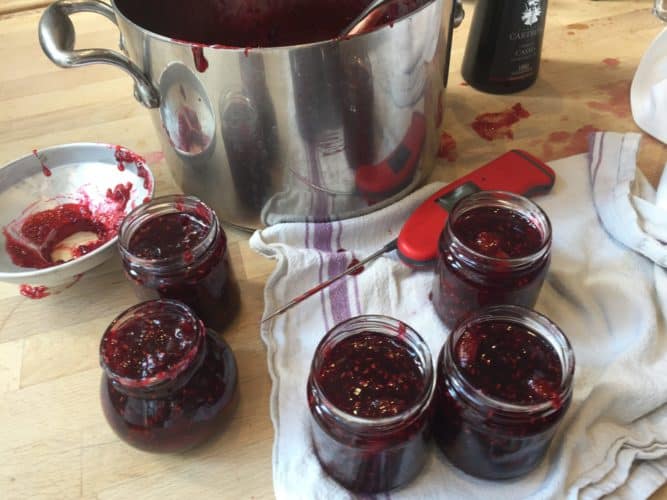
330,41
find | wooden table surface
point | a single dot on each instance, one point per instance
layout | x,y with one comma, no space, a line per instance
54,442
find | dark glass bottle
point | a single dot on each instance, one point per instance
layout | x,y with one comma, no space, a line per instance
504,46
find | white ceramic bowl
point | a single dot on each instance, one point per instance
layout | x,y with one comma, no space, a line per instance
77,171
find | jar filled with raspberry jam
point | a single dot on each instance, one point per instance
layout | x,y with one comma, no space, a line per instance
174,248
504,384
369,392
168,382
495,249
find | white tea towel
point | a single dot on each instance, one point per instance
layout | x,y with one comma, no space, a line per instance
614,436
629,208
648,94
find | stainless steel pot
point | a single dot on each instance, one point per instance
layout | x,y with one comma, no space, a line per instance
315,132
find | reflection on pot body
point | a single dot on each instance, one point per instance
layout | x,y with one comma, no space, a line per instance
311,132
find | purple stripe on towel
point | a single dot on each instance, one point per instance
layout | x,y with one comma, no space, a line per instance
338,295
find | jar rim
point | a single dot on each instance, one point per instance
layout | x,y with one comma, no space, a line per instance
510,201
164,205
538,324
167,374
391,327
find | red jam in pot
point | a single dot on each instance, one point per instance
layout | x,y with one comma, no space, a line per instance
168,383
369,394
174,248
495,249
504,383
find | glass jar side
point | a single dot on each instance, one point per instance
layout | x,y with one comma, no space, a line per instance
200,276
466,280
179,408
371,454
487,437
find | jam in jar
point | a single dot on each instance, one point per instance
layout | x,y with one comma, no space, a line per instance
369,392
504,383
168,383
495,249
174,248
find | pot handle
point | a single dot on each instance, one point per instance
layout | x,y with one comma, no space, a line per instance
459,13
56,36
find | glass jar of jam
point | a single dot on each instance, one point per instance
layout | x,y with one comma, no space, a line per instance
495,249
174,248
168,383
369,392
504,383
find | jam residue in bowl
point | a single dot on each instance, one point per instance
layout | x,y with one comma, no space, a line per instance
504,383
369,392
175,248
168,383
495,249
39,238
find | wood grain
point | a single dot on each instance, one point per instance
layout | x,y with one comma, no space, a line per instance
54,442
13,6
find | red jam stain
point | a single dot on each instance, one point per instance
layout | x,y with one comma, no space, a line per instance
506,361
143,346
191,137
168,235
120,194
124,155
618,102
447,148
491,126
201,63
353,263
246,51
254,24
45,170
371,375
498,232
561,144
611,62
34,292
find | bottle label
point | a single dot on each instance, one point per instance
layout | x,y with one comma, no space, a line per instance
518,53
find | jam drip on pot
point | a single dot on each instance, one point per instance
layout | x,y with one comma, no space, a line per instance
371,375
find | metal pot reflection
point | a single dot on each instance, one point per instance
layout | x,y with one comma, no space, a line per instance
317,131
